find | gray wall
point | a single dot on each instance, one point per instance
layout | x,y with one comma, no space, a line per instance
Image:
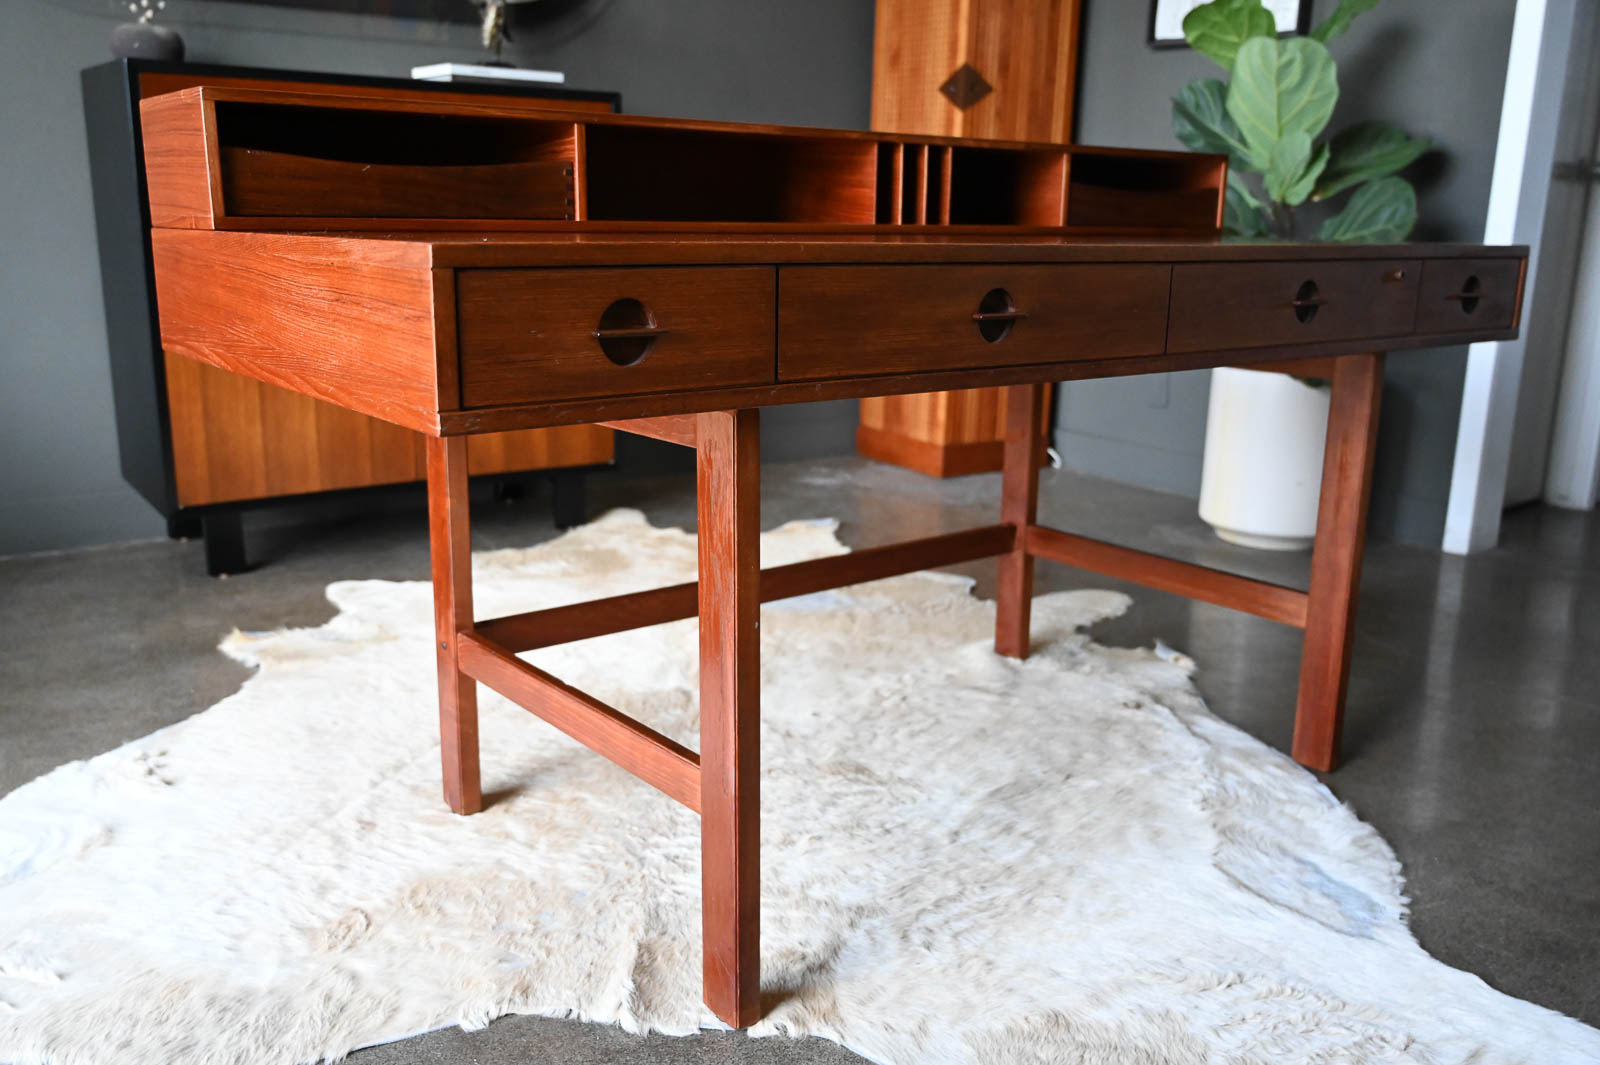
806,63
1433,68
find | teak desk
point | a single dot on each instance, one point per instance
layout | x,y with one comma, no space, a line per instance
467,270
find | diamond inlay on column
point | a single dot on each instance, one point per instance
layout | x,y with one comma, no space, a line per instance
965,87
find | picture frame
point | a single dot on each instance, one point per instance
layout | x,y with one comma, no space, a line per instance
1166,19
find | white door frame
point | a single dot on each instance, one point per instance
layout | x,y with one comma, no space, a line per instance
1541,46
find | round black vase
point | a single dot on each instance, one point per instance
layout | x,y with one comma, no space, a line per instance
146,40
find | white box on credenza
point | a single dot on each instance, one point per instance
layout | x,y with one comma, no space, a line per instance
485,72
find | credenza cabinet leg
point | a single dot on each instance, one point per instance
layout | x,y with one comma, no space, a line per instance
1336,559
450,542
729,484
1019,504
224,543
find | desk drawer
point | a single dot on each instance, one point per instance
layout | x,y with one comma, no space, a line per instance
840,321
1223,306
533,335
1468,295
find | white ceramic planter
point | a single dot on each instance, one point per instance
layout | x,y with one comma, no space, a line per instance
1263,461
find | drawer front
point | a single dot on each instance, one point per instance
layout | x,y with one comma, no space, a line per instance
1468,295
1224,306
534,335
844,321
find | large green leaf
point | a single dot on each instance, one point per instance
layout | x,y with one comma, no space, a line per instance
1218,29
1201,121
1367,151
1294,168
1279,88
1243,215
1341,18
1381,212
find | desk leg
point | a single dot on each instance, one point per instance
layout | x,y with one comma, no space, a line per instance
1336,559
1019,504
449,537
728,458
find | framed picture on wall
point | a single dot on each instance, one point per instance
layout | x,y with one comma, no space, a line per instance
1166,19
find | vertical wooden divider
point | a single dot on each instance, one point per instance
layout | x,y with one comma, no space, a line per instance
1336,559
450,542
580,172
946,172
1066,189
1019,505
897,185
728,458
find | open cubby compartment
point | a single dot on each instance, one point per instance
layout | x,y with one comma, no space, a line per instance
639,173
891,183
292,161
1129,191
1006,186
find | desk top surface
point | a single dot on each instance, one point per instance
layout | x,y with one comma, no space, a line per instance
514,249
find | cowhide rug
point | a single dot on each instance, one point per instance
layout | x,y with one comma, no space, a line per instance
965,858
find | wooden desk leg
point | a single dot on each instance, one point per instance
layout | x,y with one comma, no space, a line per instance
1336,559
449,537
1019,504
729,482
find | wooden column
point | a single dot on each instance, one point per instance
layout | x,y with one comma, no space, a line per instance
450,541
1336,559
1019,504
1000,69
729,483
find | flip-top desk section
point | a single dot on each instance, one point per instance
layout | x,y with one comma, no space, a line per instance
233,158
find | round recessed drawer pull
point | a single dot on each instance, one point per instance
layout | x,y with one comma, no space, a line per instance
996,314
1470,295
627,331
1307,301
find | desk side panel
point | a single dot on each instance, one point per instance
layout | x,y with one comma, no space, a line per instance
336,320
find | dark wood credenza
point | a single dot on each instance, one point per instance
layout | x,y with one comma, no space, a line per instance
672,278
202,446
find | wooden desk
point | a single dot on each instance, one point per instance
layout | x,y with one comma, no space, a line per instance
683,331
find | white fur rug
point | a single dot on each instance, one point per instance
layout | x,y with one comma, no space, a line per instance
966,859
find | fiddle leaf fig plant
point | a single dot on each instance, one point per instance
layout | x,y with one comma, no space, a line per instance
1269,119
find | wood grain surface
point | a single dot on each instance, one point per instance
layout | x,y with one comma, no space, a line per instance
658,760
837,321
1019,504
1252,304
450,547
235,439
529,335
353,331
728,461
1272,601
1469,294
1336,559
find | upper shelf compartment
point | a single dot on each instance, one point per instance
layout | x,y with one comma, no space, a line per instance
235,158
646,174
1145,191
322,163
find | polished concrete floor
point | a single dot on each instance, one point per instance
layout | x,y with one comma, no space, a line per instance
1473,735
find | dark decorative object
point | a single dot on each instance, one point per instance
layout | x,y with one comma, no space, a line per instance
1166,19
965,87
142,38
